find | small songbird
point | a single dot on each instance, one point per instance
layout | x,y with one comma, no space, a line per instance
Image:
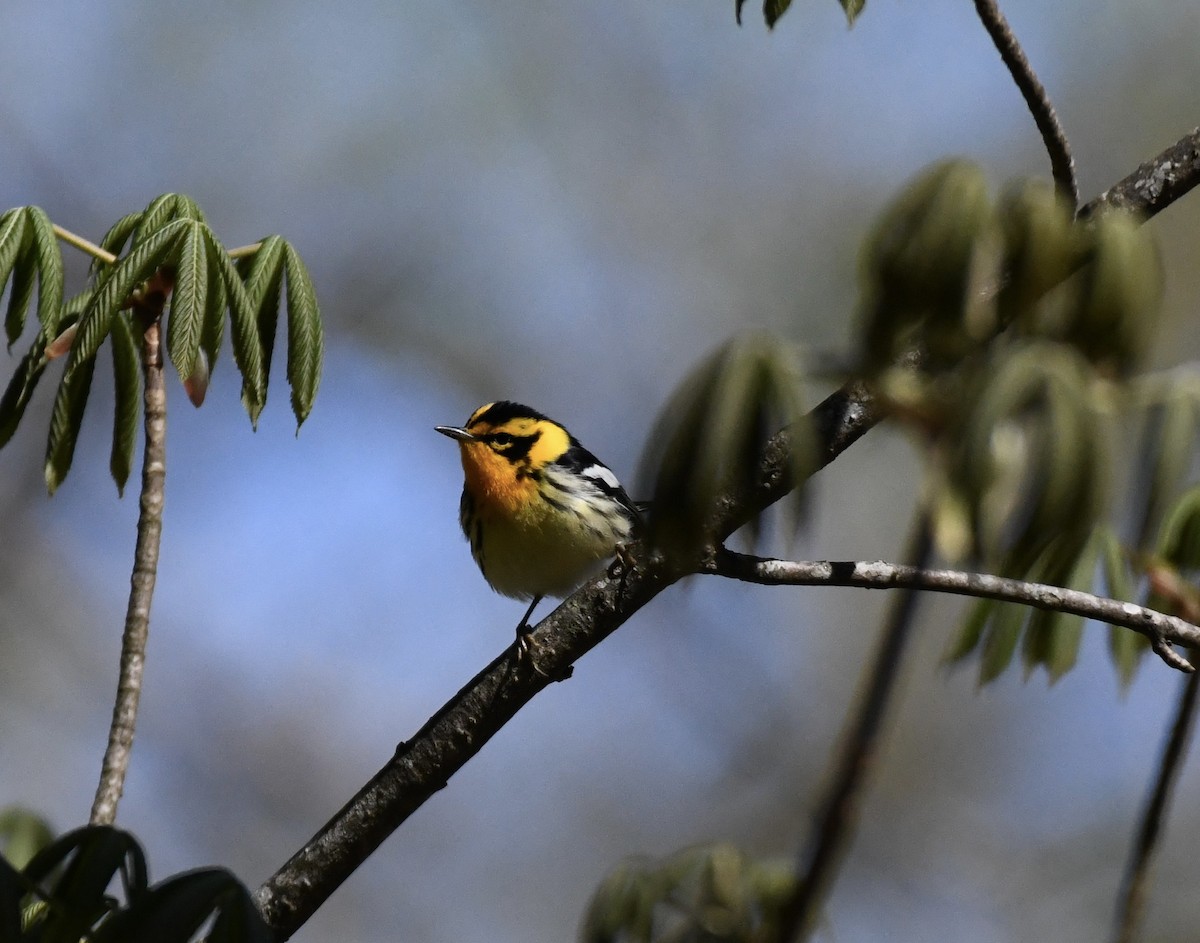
542,513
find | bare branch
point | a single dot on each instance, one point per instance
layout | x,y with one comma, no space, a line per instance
820,862
1062,165
1156,626
1132,900
461,728
145,569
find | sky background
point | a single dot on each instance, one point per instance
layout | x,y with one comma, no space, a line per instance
567,205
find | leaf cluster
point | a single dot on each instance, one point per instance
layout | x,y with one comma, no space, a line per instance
1030,325
164,258
711,436
711,893
66,893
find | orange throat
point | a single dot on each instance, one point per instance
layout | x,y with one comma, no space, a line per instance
493,481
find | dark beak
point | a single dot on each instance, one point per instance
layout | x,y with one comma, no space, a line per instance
455,432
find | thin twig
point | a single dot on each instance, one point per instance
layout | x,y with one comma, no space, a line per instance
1132,900
99,252
485,704
820,861
1156,626
84,245
243,251
145,569
1062,165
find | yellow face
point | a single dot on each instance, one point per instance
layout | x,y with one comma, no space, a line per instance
501,459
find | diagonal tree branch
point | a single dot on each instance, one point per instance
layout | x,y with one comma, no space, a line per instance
1156,626
1157,183
424,764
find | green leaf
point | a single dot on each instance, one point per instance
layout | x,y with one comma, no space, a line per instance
160,212
922,267
22,835
189,301
20,389
69,405
971,633
713,434
263,275
213,331
1170,445
12,241
186,208
1052,638
852,8
50,270
114,240
247,348
1118,582
118,284
24,273
119,232
1126,649
1001,640
773,10
1179,542
127,376
306,337
1119,293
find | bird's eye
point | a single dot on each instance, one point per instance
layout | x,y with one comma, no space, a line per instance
502,439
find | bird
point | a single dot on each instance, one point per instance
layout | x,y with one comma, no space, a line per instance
542,514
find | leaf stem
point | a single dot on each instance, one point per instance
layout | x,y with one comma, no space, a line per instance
145,569
84,245
242,251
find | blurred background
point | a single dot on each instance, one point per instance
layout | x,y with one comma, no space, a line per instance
567,205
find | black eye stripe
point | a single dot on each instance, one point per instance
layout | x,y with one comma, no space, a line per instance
512,447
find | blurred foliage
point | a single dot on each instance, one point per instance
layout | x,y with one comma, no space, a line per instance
66,893
711,438
22,835
1021,470
1023,328
169,252
709,894
924,267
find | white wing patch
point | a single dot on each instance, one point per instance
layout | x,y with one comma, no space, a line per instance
601,473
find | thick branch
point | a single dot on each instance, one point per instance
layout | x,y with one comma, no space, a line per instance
459,730
1062,165
1157,183
1156,626
145,569
422,765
